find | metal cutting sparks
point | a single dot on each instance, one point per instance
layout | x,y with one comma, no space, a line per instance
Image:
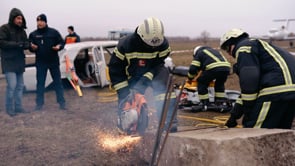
116,143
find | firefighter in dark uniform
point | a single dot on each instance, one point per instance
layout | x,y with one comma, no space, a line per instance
213,66
138,62
267,81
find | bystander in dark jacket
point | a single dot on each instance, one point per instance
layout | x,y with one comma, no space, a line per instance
13,41
46,42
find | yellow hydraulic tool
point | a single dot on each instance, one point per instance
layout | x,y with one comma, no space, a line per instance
71,75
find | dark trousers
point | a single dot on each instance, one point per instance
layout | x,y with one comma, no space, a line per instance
160,85
54,70
278,114
206,77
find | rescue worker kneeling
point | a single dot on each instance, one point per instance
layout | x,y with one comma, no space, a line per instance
137,63
213,66
267,81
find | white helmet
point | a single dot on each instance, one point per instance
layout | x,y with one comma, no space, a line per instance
196,49
151,31
231,34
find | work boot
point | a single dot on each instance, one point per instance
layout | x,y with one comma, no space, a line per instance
223,106
11,112
38,107
173,128
174,125
20,110
204,104
63,106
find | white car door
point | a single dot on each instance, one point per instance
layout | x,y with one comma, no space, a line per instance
100,66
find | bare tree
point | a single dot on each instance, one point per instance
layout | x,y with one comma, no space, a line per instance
205,36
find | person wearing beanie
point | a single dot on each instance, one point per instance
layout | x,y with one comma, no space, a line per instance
46,42
42,17
13,42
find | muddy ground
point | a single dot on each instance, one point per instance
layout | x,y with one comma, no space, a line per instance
85,134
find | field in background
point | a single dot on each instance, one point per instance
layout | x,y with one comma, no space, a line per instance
185,58
86,133
182,51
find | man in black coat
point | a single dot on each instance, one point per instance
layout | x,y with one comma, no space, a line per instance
13,41
46,42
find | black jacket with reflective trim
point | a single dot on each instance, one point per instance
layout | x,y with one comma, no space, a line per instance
207,58
266,72
132,58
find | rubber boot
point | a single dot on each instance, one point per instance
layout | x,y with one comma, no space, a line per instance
223,105
204,104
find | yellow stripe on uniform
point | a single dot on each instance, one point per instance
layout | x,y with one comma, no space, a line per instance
278,58
162,96
219,94
246,49
149,75
165,52
249,97
121,85
196,63
276,89
118,54
217,64
204,97
262,114
211,55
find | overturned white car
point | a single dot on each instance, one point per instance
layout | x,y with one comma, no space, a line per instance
89,62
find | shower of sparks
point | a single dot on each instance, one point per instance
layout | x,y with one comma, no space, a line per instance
117,143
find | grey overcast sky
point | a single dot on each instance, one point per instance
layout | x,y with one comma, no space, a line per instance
94,18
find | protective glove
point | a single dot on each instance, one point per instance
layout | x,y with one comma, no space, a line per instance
235,113
231,122
142,84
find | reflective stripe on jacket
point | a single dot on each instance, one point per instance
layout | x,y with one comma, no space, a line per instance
132,58
207,58
273,77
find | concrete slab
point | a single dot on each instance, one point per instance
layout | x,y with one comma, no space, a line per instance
228,147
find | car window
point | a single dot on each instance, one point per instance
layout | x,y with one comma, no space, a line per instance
108,51
97,54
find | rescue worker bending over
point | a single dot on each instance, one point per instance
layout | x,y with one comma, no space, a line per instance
213,66
267,81
138,62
